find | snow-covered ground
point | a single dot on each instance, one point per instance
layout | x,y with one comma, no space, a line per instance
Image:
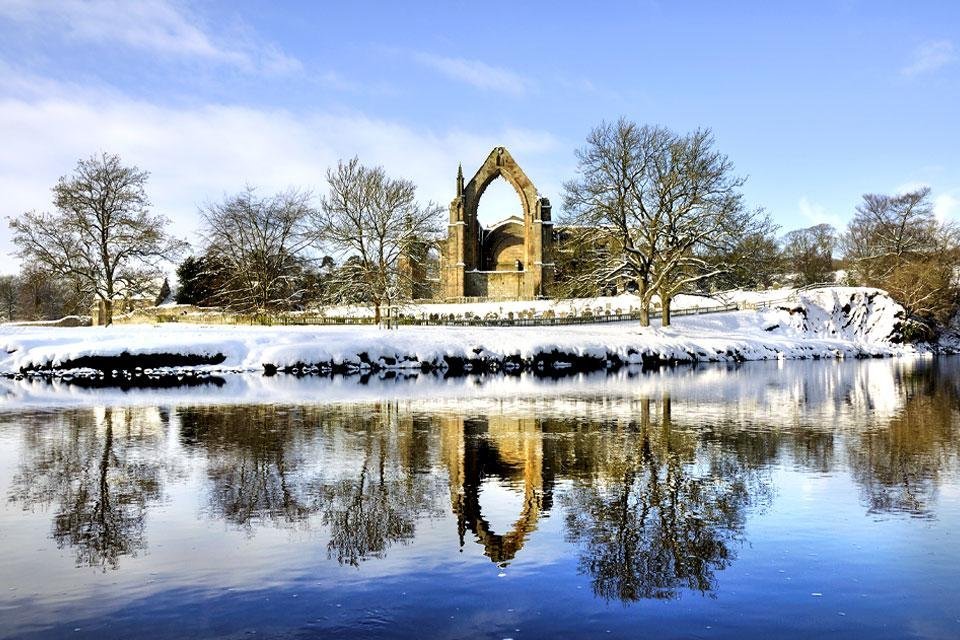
623,303
834,322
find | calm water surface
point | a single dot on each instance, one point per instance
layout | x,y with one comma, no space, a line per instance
766,500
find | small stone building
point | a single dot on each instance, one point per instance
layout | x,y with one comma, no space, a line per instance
98,312
512,259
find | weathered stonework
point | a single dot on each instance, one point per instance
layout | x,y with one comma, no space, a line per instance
512,260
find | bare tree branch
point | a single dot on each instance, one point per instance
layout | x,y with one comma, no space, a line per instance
102,235
371,221
257,246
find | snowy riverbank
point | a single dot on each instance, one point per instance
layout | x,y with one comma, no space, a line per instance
825,323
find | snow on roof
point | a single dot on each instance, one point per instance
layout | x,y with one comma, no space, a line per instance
508,220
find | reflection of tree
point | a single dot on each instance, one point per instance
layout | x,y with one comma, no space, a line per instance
280,465
655,500
811,447
99,472
253,459
658,515
379,503
899,465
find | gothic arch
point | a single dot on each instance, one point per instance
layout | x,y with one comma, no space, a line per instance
500,164
499,547
503,245
466,269
505,449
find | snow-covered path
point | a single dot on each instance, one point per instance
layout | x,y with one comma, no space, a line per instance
826,323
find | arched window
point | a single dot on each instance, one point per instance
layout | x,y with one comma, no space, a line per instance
498,202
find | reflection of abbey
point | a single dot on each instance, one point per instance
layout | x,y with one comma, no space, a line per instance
513,259
501,449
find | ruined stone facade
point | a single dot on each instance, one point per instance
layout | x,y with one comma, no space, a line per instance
512,260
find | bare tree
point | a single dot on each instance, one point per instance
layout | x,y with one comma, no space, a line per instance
896,243
102,235
887,230
9,295
753,261
701,214
614,223
660,207
39,296
258,247
581,257
371,221
809,253
33,294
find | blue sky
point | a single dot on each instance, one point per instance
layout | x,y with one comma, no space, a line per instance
818,102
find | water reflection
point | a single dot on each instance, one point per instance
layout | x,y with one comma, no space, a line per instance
98,472
378,503
252,462
506,450
653,487
900,464
660,512
363,470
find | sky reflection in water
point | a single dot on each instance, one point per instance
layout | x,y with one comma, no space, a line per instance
795,498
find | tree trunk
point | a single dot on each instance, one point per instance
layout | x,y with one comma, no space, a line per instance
644,304
665,314
107,318
376,313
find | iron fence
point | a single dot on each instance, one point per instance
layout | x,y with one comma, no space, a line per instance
391,320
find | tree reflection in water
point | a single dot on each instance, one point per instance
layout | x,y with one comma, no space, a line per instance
899,463
362,469
253,457
99,470
654,493
379,502
659,514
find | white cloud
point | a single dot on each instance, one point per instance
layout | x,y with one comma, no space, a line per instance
930,56
338,82
476,73
158,26
814,213
198,153
908,187
946,206
272,60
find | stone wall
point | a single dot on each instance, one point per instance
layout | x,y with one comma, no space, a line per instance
495,285
504,246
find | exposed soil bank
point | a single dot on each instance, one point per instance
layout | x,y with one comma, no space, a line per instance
127,361
137,378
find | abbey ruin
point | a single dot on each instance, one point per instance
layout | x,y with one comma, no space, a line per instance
512,259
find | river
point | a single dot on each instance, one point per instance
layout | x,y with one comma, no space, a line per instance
784,499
